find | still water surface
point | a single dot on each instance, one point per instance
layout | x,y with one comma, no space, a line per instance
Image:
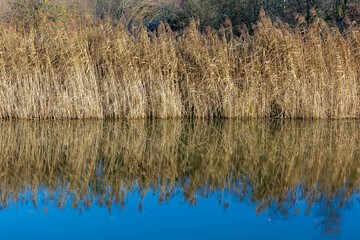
180,179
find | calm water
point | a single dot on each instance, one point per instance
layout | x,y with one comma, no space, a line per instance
180,179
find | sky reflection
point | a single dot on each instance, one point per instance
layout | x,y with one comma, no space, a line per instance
179,180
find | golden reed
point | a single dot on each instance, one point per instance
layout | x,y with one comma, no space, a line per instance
102,70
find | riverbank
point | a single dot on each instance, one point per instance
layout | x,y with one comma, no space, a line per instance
80,71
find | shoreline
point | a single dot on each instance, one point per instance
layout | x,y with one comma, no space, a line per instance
108,72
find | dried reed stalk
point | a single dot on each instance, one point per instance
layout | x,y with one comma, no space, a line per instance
102,71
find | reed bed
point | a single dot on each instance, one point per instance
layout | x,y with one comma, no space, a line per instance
272,166
82,70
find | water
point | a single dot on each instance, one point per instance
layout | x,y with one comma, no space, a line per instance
180,179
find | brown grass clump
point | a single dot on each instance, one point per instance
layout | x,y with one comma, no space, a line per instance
84,70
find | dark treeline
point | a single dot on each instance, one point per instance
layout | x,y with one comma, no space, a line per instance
214,13
178,13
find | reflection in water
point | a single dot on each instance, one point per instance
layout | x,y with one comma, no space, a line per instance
273,165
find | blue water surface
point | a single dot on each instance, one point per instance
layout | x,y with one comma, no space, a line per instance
173,220
179,180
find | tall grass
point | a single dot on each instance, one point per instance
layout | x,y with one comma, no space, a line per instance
82,69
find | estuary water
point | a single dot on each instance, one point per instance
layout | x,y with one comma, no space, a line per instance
179,179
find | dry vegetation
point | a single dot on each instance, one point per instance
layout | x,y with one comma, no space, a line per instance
77,68
82,163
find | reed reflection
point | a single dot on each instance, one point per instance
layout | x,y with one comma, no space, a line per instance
274,165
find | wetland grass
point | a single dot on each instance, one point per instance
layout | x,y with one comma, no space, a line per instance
102,70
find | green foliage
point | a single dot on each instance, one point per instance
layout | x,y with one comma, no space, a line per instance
40,13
